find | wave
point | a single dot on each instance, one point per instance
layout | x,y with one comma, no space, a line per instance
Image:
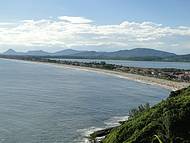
84,134
112,122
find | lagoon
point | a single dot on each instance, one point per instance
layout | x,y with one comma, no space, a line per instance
141,64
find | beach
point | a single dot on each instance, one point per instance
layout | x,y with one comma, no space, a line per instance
167,84
171,85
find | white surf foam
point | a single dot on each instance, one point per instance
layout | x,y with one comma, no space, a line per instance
85,134
112,122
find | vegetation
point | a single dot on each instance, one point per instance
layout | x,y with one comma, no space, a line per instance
158,139
136,111
166,122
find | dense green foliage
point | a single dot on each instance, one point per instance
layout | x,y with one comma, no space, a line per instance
141,108
167,122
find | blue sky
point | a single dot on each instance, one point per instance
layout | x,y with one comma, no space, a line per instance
167,12
101,13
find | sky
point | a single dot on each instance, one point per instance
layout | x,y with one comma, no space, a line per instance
101,25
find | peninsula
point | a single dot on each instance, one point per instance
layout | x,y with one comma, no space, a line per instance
173,79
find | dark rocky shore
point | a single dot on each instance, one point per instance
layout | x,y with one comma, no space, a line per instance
97,136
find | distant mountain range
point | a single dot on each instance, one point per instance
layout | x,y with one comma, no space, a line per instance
12,52
133,54
138,52
42,53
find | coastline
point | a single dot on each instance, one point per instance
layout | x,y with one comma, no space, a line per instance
86,133
95,135
167,84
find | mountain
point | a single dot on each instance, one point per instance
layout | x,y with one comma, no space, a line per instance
168,121
90,54
140,52
42,53
12,52
134,54
178,58
37,53
29,53
66,52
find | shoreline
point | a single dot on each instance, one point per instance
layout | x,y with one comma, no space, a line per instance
97,135
167,84
86,133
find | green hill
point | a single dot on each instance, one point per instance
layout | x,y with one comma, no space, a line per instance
169,120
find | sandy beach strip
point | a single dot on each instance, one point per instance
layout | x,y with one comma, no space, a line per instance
167,84
171,85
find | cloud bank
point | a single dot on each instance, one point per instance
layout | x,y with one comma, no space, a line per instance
69,32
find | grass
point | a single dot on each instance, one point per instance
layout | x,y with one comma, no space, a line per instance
158,139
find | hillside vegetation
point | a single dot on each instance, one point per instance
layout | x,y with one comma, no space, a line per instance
168,121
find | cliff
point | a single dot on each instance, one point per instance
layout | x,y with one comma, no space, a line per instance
169,121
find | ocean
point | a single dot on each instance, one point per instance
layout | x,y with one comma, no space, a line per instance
42,103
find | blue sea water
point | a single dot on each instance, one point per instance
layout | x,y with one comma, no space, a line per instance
41,103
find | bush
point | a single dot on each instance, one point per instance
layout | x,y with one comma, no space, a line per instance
139,109
169,120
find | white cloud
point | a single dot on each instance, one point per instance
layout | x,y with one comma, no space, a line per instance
68,31
5,23
75,20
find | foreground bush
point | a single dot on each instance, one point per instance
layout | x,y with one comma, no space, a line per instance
167,122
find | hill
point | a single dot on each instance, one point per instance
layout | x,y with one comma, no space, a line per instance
168,120
41,53
66,52
178,58
12,52
138,52
37,53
